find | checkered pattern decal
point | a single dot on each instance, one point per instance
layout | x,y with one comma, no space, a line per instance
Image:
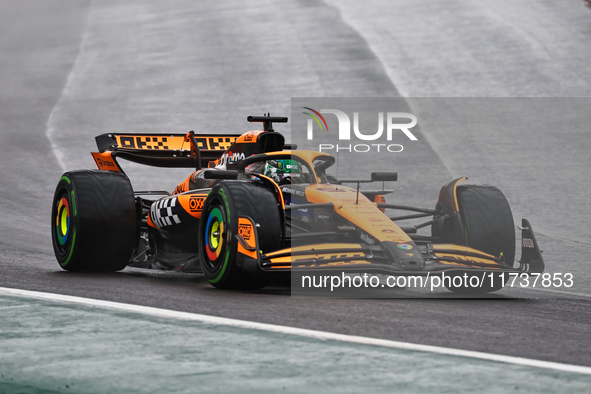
161,212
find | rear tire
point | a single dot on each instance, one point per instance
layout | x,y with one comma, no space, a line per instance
94,221
226,202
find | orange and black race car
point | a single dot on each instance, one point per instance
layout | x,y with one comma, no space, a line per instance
256,208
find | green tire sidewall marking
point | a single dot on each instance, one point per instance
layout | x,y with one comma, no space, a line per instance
225,265
75,213
226,204
73,198
223,268
71,250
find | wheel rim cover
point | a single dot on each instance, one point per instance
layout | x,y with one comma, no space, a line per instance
214,243
62,218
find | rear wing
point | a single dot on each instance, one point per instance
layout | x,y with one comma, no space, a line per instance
161,150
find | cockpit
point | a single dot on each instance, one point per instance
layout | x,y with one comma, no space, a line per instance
292,169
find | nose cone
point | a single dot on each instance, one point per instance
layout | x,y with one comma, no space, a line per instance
406,255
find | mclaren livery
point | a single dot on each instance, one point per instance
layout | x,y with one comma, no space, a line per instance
256,208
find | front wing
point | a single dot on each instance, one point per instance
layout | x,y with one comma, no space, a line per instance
438,258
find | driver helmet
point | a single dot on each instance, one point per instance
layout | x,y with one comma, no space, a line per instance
282,169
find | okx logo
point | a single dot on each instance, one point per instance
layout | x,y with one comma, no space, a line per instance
390,126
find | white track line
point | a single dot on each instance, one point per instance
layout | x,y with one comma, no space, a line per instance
321,335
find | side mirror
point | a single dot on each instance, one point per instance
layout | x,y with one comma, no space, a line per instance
384,176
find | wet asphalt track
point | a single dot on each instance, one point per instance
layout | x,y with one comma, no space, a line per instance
238,60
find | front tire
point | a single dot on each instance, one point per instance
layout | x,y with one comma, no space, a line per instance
94,221
218,226
488,227
488,221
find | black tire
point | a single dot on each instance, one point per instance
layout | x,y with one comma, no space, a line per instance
488,227
488,221
217,253
94,221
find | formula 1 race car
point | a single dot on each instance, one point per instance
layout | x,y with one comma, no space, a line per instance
256,208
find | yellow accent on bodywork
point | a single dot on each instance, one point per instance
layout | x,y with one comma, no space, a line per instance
459,248
365,214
